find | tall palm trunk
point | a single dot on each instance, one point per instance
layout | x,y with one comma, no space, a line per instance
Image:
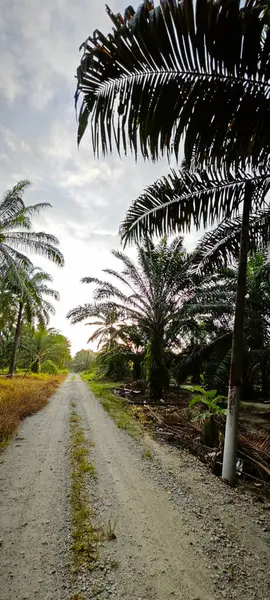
157,372
16,342
236,372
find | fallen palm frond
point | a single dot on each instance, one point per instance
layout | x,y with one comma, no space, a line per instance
255,447
173,425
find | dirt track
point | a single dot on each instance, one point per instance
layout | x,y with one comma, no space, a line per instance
180,533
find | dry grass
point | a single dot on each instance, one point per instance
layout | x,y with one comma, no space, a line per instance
22,396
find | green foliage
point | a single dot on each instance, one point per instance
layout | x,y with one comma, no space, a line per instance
38,346
114,364
115,406
82,361
207,397
212,416
144,304
50,367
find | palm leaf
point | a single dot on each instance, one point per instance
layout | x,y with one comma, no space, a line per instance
185,199
37,242
187,67
221,246
12,202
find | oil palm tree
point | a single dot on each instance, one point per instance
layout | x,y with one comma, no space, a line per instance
211,307
191,69
42,347
147,295
197,69
16,235
185,199
107,319
30,295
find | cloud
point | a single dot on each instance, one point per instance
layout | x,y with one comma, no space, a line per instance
40,43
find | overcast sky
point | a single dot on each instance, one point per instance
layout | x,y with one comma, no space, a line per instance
39,57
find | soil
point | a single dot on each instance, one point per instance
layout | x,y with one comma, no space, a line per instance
180,533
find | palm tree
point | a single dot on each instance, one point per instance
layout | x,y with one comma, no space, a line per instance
108,321
209,314
16,235
183,199
41,347
148,296
32,305
211,68
186,68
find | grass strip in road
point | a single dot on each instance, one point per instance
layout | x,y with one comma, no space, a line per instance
86,538
117,407
22,396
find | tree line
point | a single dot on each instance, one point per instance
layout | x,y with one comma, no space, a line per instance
26,341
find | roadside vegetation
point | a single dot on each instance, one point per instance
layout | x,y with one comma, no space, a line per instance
22,396
86,537
33,357
118,409
177,322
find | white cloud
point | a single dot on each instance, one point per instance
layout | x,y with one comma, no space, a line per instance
39,57
10,79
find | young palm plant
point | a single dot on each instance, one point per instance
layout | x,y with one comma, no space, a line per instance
148,295
32,305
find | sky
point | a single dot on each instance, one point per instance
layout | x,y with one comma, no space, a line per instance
39,55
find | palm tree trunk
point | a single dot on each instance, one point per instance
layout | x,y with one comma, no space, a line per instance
236,371
16,342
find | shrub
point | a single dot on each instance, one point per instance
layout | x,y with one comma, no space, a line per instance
22,396
49,367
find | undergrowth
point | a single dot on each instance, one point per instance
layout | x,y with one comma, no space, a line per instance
117,407
86,538
22,396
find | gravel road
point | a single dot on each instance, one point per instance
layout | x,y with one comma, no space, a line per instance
180,533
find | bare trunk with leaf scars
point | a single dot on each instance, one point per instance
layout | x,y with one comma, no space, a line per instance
16,341
236,372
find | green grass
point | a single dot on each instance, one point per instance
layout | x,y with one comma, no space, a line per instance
86,537
117,407
147,454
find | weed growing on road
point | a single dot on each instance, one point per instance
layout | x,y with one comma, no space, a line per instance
111,533
115,406
86,537
147,454
20,397
114,564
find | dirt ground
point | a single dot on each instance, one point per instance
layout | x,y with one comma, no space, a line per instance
180,533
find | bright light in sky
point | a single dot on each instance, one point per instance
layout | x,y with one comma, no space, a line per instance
39,56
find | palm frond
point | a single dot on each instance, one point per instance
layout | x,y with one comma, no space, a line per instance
82,312
184,200
37,242
186,67
221,246
12,202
